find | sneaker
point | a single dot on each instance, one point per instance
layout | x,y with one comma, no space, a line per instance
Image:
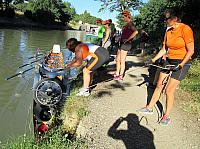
120,78
165,121
116,78
115,75
83,92
145,110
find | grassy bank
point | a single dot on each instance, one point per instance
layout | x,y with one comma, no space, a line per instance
55,138
62,136
74,110
191,85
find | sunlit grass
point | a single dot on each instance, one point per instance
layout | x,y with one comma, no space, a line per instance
54,139
191,84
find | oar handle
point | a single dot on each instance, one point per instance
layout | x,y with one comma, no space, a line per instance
35,56
23,65
29,63
8,78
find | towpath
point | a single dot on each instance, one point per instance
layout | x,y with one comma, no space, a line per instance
113,121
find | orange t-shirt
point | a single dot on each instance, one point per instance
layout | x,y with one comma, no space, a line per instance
85,50
176,40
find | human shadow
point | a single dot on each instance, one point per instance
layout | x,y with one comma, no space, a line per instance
135,136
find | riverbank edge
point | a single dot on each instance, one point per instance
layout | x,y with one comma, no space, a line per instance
19,22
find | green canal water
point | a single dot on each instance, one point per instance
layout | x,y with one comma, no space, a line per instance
16,46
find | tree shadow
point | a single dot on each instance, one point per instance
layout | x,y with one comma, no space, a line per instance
104,74
135,136
130,64
108,89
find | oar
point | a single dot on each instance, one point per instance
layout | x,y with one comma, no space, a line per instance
19,73
30,63
35,56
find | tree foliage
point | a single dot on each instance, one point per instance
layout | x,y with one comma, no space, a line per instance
45,11
119,5
151,16
85,17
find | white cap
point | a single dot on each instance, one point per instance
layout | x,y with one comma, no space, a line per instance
56,48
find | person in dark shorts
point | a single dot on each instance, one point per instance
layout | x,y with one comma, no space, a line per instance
94,55
179,46
128,33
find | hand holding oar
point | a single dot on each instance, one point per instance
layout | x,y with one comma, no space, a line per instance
19,73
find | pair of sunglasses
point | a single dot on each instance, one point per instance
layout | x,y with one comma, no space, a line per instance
168,18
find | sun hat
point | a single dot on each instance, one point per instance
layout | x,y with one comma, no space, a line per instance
56,48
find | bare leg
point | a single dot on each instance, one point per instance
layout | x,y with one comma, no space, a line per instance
171,87
86,78
123,60
157,91
118,61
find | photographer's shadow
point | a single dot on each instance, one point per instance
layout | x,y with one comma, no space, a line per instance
135,136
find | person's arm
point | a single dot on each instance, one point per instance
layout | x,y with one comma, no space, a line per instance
190,52
133,34
161,53
106,37
77,61
189,43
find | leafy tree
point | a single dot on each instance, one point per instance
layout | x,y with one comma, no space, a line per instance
120,21
120,5
85,17
47,11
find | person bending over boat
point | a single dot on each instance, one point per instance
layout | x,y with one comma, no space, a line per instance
94,55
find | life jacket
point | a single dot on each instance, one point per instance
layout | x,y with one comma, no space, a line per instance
55,60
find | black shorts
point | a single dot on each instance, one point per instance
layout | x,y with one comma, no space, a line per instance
180,74
101,56
126,46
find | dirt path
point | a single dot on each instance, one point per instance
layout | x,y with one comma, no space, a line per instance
113,122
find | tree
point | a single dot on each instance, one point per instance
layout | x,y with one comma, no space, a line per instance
120,5
85,17
50,11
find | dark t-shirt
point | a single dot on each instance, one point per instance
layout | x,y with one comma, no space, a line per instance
127,31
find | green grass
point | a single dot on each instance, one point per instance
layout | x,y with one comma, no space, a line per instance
57,137
74,110
54,139
191,84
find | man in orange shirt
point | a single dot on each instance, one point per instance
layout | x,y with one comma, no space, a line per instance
179,46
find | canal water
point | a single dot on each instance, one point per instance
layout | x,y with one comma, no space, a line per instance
16,47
